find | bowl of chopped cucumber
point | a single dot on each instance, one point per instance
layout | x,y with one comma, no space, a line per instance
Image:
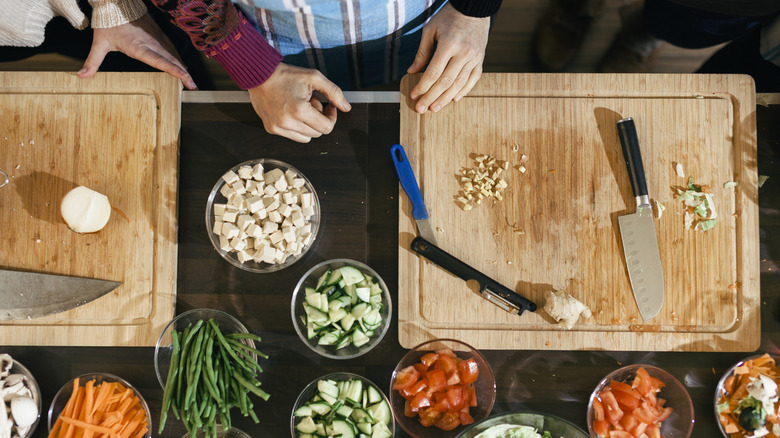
262,215
341,308
342,404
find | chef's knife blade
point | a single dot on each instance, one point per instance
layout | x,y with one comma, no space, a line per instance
490,289
637,231
26,295
409,184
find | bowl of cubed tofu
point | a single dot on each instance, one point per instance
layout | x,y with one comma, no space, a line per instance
262,215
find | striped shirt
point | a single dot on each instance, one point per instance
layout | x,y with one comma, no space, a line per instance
355,43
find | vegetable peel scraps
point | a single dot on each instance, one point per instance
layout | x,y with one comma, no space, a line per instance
747,402
697,200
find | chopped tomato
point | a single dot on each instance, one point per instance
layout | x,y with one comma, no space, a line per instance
625,410
439,389
429,416
448,421
437,380
468,371
429,359
406,378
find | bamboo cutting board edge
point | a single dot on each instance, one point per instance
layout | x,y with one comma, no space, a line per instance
143,331
743,335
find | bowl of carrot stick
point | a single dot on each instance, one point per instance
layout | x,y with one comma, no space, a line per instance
101,404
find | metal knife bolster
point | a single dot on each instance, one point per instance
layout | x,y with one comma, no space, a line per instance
491,290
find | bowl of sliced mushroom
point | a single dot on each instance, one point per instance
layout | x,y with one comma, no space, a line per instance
22,398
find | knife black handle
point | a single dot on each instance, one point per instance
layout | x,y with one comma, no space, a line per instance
633,156
466,272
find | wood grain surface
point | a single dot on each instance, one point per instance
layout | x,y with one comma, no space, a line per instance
557,225
116,133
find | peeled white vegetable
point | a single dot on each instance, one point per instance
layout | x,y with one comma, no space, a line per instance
85,210
564,308
24,411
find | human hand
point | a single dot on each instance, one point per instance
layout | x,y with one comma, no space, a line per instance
456,65
287,105
140,39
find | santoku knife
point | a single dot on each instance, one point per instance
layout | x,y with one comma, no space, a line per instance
637,231
409,184
489,289
26,295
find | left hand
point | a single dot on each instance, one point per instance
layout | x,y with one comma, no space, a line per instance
141,39
456,65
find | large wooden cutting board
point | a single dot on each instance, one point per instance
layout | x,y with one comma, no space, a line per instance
557,226
116,133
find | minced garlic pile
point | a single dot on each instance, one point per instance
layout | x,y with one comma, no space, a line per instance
481,182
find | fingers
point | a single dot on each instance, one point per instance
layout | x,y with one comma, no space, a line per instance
331,91
97,53
423,52
473,78
166,62
445,74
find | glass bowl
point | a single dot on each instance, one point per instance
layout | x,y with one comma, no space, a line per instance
217,198
310,280
64,394
163,350
749,366
221,433
558,427
312,389
484,387
18,368
680,422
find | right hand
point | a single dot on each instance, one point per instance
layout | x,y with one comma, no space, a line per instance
287,105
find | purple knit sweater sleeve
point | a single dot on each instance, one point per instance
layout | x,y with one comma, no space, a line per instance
476,8
245,55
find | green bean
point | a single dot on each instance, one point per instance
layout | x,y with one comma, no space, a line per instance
251,336
247,348
255,390
172,372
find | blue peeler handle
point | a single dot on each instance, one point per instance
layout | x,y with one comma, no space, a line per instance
408,181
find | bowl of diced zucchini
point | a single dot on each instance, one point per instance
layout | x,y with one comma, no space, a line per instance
341,308
262,215
342,404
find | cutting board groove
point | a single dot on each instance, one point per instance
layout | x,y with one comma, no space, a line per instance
118,134
557,226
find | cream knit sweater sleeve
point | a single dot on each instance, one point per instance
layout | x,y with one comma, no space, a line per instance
112,13
22,24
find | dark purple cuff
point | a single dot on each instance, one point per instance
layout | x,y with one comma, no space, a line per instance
246,56
476,8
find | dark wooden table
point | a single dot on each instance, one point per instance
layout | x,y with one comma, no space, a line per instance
358,189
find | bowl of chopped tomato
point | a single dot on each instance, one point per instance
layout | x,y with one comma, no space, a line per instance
746,398
640,399
440,387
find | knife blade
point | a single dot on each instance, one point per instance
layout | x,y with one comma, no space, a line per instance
489,289
637,231
25,295
409,184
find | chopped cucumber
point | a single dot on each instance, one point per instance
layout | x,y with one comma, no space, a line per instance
345,408
345,309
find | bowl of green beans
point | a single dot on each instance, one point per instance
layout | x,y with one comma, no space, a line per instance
207,362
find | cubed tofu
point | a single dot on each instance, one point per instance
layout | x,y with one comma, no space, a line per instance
260,214
239,187
217,228
219,209
243,221
288,198
306,200
272,176
245,255
224,243
289,234
231,214
276,237
285,210
298,183
254,204
297,219
254,230
245,172
236,200
269,226
281,185
230,177
257,172
275,216
238,244
307,212
270,190
227,190
230,230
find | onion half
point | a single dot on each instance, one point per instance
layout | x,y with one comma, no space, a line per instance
85,210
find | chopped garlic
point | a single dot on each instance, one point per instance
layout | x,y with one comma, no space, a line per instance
481,182
679,169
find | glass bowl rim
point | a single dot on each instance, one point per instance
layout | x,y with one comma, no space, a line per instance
84,377
172,323
36,390
654,371
471,349
727,373
341,375
510,413
267,268
386,317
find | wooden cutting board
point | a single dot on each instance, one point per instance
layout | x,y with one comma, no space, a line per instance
116,133
557,225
